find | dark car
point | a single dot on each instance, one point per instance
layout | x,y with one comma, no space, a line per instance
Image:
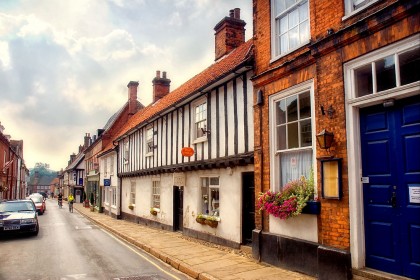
17,216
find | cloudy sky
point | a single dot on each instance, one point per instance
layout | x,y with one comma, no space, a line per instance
65,65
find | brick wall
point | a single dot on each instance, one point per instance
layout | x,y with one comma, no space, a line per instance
322,60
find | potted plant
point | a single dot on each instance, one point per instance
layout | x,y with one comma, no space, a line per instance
131,206
291,201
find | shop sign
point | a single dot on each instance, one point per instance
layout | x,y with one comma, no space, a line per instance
179,179
187,151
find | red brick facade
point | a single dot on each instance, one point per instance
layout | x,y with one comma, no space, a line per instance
334,40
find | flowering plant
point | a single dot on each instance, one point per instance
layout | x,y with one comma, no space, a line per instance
289,202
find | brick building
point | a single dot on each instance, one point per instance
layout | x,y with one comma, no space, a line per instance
352,68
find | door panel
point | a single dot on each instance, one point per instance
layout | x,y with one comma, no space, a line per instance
390,141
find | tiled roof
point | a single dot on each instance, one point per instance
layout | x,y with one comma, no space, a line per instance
76,162
212,74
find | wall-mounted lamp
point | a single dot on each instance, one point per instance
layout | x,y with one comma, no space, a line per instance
260,98
325,139
205,131
330,111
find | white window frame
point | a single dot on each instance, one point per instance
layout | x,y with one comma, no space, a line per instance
111,171
132,198
149,140
349,68
350,10
200,102
126,152
275,183
114,196
275,29
208,195
156,193
105,161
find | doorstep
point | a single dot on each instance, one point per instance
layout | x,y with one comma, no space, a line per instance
371,274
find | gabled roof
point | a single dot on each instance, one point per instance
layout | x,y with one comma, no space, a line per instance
76,162
217,71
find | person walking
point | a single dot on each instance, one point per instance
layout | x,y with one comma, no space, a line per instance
71,201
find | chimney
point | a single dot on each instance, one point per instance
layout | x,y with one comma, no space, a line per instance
87,141
230,33
80,148
72,157
132,97
160,86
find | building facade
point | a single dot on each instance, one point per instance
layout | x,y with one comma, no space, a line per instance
186,161
350,68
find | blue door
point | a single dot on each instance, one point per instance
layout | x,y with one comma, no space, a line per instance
390,140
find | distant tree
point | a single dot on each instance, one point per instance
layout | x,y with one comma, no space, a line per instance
43,169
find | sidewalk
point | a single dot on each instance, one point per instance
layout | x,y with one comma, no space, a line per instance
192,258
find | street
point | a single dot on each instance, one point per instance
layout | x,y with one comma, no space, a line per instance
71,247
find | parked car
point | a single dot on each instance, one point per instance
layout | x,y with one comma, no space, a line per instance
38,195
18,216
39,203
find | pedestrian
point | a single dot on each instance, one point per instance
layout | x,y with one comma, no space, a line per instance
71,200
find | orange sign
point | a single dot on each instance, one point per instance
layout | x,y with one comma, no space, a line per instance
187,151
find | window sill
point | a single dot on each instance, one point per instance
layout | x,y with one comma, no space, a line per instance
149,154
355,12
200,140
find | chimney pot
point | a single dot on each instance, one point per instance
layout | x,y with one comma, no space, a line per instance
160,86
230,33
132,97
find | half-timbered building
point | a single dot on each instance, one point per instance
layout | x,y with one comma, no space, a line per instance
186,160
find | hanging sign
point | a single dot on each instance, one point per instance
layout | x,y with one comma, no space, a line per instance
107,182
187,151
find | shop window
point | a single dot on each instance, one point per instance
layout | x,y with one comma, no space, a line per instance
210,203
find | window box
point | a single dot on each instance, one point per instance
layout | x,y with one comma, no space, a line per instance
212,221
312,207
154,211
131,206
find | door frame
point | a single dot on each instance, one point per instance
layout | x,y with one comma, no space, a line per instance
353,104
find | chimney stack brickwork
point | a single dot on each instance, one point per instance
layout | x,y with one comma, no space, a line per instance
161,86
230,33
132,97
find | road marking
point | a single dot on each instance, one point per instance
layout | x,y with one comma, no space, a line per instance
129,247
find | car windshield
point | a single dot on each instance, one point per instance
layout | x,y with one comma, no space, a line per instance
16,206
37,199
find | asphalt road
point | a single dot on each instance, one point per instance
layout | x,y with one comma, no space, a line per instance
69,246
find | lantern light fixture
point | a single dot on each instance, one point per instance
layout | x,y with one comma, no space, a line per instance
325,139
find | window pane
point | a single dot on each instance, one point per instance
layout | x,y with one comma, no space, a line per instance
363,80
284,43
292,109
280,6
385,73
294,38
290,3
303,12
284,26
293,18
295,164
281,137
304,32
281,112
410,66
292,135
304,105
305,133
214,201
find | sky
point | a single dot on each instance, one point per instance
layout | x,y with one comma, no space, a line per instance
65,65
